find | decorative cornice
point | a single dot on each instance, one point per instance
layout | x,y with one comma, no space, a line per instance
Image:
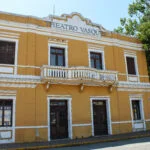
8,92
19,81
15,85
66,16
24,27
135,85
19,78
57,41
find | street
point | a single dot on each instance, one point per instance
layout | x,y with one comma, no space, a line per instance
133,144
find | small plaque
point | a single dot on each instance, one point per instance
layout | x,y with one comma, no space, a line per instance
5,134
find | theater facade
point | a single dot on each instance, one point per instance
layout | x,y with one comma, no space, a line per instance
67,77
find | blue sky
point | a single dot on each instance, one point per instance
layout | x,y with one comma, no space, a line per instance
104,12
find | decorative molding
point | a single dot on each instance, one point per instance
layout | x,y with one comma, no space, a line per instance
22,27
132,90
128,52
133,85
8,92
136,96
95,47
9,35
19,78
65,17
15,85
57,41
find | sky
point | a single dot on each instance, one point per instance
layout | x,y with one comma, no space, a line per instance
104,12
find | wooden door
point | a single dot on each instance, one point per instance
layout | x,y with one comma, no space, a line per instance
58,119
100,117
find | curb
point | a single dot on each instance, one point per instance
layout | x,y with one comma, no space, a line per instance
81,143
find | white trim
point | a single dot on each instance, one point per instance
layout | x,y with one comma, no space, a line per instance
97,51
30,127
58,46
121,122
25,27
136,67
132,90
109,123
69,101
13,120
135,85
17,85
82,125
16,51
141,111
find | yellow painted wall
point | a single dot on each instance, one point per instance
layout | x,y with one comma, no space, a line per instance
31,104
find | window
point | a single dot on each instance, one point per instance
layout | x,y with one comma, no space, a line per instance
57,56
131,68
96,60
7,52
6,107
136,110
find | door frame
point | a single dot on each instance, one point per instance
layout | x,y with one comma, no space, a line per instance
108,111
141,111
12,128
69,105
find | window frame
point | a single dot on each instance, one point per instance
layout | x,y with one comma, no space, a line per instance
13,98
135,64
140,99
16,53
102,54
3,113
65,47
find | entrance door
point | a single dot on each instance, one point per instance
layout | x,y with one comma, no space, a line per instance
100,117
58,119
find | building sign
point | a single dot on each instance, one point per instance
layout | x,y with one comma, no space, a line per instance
76,29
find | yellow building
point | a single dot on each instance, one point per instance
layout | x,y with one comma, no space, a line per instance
67,77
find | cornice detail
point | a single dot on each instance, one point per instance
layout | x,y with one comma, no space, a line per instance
24,27
137,85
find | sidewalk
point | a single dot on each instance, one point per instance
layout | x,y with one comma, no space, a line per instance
74,142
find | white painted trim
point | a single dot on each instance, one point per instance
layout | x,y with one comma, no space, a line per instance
140,99
136,66
82,125
132,90
17,85
13,119
97,51
58,46
30,127
109,123
24,27
16,41
69,101
121,122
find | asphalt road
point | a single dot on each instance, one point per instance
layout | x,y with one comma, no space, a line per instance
134,144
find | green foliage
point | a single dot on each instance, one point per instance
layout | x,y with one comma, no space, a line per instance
138,24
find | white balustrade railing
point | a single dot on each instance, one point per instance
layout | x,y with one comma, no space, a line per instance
85,73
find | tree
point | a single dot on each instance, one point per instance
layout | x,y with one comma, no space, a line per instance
138,24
